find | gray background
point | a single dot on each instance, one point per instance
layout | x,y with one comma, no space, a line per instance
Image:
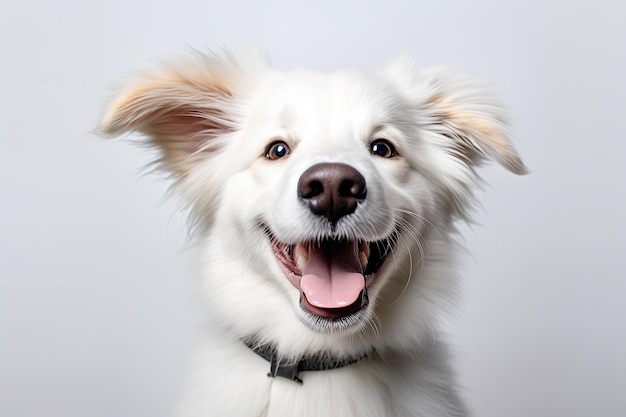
98,315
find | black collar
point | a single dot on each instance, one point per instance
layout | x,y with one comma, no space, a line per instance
291,369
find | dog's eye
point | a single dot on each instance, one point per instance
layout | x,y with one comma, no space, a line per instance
277,150
383,148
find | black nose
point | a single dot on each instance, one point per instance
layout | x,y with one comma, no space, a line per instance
332,190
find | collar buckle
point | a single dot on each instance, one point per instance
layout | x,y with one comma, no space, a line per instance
289,371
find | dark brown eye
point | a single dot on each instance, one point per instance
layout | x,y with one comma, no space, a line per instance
382,148
277,150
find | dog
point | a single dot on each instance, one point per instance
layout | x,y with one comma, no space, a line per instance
324,205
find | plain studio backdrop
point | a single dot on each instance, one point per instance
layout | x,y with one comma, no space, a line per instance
98,316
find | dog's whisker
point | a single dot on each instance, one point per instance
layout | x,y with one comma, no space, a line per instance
375,324
411,263
422,219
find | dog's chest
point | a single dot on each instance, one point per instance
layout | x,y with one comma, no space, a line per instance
233,382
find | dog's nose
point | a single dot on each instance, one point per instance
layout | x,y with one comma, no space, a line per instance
332,190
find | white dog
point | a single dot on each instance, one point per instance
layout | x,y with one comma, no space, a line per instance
325,206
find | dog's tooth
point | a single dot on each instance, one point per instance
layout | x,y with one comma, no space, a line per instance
302,255
363,259
301,261
365,247
301,250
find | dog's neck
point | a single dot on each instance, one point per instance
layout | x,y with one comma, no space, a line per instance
290,369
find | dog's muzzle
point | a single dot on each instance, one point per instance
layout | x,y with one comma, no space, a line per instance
332,271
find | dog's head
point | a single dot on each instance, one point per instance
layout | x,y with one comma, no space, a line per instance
325,198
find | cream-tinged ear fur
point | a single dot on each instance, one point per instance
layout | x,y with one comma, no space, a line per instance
185,110
461,110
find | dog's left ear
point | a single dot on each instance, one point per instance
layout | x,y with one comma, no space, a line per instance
460,110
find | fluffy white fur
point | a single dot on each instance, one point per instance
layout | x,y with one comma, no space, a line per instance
213,118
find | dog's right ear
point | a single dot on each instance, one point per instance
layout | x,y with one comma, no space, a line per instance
185,111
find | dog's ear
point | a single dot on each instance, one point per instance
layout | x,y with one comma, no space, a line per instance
185,110
461,111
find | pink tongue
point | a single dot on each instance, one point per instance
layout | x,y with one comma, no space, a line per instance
332,276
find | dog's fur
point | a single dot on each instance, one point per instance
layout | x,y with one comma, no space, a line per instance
238,136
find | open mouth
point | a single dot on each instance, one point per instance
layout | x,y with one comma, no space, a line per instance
332,275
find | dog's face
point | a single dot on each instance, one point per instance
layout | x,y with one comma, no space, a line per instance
321,195
327,189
